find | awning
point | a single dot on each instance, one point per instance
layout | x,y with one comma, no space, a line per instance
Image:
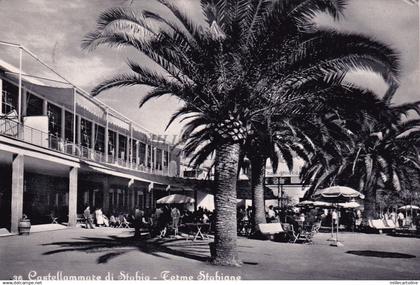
109,171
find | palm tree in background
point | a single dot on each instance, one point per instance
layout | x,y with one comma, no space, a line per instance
384,154
231,73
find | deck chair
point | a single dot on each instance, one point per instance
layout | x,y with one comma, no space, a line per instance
306,235
390,223
291,234
124,223
53,218
270,229
379,225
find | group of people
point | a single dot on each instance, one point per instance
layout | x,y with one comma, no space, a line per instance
157,222
99,219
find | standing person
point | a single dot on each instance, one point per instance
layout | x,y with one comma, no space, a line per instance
334,217
99,217
138,219
175,215
400,219
393,216
112,221
271,215
88,219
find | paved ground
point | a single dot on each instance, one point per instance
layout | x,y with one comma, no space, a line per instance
112,252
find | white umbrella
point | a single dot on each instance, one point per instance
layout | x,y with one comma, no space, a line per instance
314,203
349,205
409,207
305,203
175,199
337,194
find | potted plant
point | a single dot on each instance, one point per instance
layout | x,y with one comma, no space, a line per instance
24,225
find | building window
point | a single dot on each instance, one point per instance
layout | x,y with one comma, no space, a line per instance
122,150
68,129
85,132
158,159
149,156
34,105
165,158
10,97
54,120
142,153
112,142
134,150
99,138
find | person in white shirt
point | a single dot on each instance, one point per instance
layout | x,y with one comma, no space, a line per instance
271,215
334,216
400,219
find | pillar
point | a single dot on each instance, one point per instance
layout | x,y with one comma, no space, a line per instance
45,107
73,175
63,124
163,159
93,140
117,145
24,102
17,191
105,203
106,136
1,96
146,158
130,157
79,126
127,151
137,153
154,153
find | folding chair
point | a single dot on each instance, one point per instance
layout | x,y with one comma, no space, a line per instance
290,232
54,219
306,236
124,223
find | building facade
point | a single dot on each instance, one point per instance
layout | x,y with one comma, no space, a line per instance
61,150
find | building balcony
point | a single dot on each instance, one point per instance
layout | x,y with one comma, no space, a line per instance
12,128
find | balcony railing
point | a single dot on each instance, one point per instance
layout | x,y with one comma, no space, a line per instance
16,130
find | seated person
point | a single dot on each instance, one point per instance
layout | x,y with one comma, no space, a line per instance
113,221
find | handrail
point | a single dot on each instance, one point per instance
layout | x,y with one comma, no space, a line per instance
82,92
17,130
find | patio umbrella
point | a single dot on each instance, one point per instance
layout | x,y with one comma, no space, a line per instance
349,205
409,207
175,199
314,203
305,203
337,195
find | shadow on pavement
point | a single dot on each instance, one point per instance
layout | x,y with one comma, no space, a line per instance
114,246
381,254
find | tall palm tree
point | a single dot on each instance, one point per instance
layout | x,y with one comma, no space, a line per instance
227,71
384,154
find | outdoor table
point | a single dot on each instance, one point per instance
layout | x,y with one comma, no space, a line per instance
198,229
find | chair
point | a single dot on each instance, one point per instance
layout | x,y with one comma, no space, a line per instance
306,235
54,219
291,235
270,229
124,223
381,226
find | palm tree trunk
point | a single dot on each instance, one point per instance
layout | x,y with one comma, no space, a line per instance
226,166
370,204
370,200
257,188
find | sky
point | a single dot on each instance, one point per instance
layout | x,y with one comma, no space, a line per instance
53,30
